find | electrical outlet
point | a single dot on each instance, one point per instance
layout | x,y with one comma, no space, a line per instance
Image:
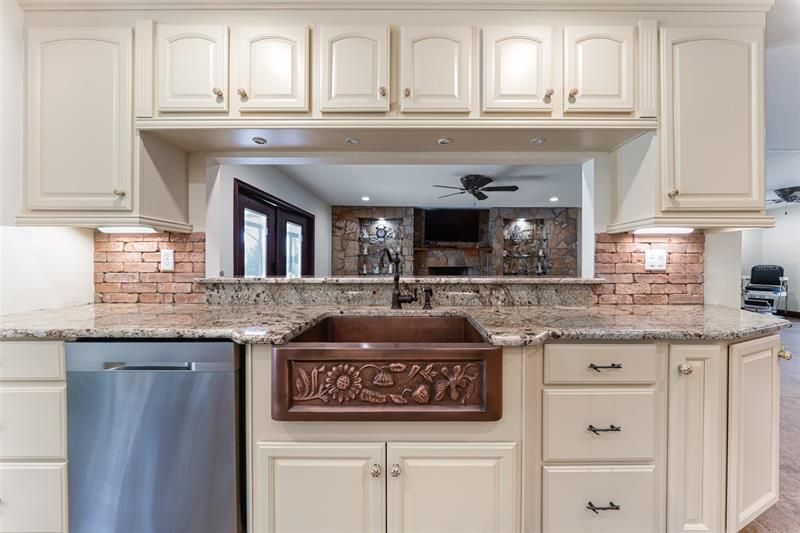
655,259
167,260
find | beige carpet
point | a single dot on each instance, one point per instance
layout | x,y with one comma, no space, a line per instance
784,517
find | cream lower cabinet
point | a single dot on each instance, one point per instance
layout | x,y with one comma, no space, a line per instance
33,437
367,487
753,424
697,437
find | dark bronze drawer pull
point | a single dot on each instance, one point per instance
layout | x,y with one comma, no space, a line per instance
596,510
609,429
612,366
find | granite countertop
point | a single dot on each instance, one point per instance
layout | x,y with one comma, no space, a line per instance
503,326
409,280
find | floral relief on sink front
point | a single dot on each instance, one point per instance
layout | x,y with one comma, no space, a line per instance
404,387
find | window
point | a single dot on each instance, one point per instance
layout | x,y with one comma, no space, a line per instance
271,237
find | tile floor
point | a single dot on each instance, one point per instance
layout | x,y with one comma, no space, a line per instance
784,517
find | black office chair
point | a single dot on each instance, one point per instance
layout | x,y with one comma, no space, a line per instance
764,289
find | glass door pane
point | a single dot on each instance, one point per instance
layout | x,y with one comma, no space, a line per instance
294,250
255,244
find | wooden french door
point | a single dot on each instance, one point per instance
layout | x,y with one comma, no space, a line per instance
270,237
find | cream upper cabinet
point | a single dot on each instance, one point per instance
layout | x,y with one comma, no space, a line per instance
599,68
354,67
272,68
319,487
192,67
517,68
446,487
753,423
697,434
435,63
712,138
79,101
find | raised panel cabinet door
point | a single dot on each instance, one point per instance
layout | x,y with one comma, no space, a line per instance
435,68
34,497
712,119
301,487
697,435
273,68
354,67
753,430
33,421
79,122
599,68
517,68
449,487
192,67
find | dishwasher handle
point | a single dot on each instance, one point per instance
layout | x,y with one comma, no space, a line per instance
165,367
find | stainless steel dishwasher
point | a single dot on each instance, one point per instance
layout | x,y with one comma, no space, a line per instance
154,437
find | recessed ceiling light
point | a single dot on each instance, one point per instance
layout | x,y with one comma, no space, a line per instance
259,140
664,230
444,141
352,140
365,198
538,140
554,198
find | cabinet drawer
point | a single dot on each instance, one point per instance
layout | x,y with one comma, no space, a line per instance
600,363
34,497
33,422
31,360
568,491
568,415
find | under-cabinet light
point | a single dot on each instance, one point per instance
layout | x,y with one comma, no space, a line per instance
127,229
663,230
365,198
554,198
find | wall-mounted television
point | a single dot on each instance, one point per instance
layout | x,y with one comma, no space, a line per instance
452,225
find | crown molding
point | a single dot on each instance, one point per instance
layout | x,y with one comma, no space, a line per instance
400,5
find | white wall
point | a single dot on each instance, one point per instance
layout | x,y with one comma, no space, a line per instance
777,246
39,267
219,213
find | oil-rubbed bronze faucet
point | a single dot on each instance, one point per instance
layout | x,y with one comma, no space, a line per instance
397,299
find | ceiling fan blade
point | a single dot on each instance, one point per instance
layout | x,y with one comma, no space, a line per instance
448,187
479,195
452,194
509,188
475,181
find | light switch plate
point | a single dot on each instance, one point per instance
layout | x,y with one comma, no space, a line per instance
655,259
167,260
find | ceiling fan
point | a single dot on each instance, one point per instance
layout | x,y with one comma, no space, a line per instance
786,195
476,185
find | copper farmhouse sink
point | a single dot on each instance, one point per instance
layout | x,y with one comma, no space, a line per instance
388,368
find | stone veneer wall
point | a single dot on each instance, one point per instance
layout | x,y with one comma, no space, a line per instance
344,243
126,268
619,259
562,229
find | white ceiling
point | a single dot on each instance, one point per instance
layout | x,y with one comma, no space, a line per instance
783,94
412,185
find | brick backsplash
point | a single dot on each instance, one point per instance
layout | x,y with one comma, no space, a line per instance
619,259
126,268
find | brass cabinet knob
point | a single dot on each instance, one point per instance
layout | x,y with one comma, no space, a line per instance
406,92
783,353
548,93
673,193
242,93
573,92
217,91
382,91
395,471
686,369
375,471
119,193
